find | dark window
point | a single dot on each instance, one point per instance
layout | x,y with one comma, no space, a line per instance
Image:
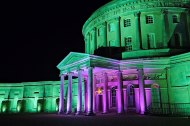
127,22
175,19
113,97
149,19
128,43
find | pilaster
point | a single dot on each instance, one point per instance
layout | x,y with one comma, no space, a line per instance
61,96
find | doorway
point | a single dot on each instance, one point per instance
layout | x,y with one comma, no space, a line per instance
100,106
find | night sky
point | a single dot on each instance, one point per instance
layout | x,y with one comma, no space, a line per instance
35,37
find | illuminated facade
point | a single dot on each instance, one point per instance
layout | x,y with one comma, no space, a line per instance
32,97
136,58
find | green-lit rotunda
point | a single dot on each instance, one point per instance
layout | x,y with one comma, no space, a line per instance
136,58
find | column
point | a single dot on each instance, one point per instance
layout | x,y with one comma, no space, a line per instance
105,94
90,92
94,93
79,102
105,35
61,95
69,94
142,99
168,77
138,31
188,24
165,27
85,95
117,32
120,106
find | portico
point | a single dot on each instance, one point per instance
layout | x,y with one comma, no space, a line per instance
89,68
100,76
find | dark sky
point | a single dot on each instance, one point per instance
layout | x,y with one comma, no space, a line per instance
35,37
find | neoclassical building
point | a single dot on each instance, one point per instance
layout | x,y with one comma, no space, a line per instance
136,59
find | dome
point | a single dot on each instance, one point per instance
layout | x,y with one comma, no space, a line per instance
138,28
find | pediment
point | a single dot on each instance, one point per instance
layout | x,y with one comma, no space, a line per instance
71,58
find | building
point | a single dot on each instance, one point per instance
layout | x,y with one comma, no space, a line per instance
32,97
136,58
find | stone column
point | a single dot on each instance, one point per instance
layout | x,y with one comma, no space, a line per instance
165,27
168,77
61,96
117,32
85,95
142,98
79,102
105,94
120,106
90,92
187,13
94,93
105,35
69,94
138,31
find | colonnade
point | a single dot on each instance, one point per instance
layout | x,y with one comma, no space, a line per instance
90,107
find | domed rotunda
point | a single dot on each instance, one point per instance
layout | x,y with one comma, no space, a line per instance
136,59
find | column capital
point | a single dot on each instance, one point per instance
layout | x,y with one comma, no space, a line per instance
60,75
164,11
79,70
70,73
137,14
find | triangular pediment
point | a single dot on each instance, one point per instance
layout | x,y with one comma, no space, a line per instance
72,58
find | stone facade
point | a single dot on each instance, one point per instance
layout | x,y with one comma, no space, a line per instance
136,59
32,97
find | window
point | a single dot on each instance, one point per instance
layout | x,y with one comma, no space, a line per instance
128,43
175,19
127,22
149,19
113,97
111,27
151,40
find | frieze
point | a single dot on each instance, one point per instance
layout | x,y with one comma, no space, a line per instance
132,7
154,76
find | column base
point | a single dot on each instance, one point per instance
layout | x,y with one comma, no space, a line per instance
106,112
79,113
69,112
61,113
121,113
90,114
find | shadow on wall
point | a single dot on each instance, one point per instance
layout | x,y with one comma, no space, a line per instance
110,52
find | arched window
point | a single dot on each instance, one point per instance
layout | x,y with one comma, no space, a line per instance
175,19
113,97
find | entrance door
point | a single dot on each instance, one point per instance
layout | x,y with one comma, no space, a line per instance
100,106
